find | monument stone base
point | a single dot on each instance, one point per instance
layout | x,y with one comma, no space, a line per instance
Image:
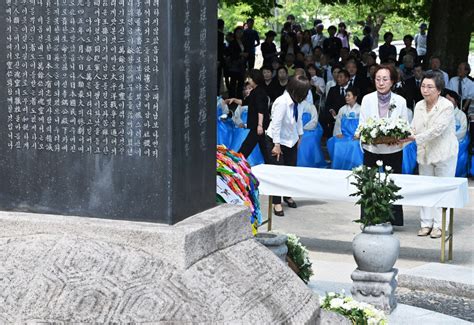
377,289
205,269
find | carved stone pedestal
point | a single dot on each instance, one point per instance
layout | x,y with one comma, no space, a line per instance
377,289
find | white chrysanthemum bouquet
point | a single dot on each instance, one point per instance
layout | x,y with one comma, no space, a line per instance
357,312
383,131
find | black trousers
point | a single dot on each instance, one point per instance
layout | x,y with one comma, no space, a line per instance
287,158
251,61
251,141
395,161
236,84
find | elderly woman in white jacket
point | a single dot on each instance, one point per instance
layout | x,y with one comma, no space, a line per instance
383,103
435,136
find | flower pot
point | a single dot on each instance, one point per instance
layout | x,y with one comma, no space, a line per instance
274,242
376,249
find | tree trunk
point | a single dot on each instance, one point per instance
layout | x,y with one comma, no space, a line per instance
449,33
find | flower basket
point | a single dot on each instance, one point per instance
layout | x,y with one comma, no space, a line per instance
385,140
383,131
292,265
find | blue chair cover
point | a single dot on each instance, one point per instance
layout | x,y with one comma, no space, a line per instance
345,152
409,158
471,170
310,153
463,157
238,137
224,129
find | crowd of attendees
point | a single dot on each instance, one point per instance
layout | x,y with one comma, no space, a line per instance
330,63
316,80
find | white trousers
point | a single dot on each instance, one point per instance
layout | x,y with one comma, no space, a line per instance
431,217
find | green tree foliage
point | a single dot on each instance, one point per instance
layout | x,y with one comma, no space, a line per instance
414,9
306,11
253,8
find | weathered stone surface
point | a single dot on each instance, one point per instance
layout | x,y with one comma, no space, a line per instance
63,269
374,288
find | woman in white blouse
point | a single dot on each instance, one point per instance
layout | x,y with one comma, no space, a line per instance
285,131
351,110
383,103
437,146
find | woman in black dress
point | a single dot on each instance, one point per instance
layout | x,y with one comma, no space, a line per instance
258,117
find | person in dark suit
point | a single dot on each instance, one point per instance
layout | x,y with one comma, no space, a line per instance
332,45
237,63
334,101
258,117
387,50
357,80
252,40
408,49
366,44
412,86
268,48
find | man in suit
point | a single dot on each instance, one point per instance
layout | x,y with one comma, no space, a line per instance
412,86
252,40
356,80
334,101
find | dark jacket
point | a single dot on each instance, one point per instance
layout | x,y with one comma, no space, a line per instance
237,63
275,90
334,101
269,52
257,102
413,92
362,84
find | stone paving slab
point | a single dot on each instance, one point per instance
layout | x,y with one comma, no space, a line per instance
440,278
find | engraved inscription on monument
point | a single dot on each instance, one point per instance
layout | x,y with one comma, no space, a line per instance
86,93
72,71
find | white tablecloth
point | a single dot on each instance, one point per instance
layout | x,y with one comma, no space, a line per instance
329,184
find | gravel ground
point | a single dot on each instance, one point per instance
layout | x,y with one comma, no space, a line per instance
459,307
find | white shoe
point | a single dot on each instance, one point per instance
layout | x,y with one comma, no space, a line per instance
425,231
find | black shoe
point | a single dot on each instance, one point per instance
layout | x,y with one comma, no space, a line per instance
291,204
278,213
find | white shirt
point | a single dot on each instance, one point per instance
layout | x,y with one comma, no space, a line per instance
309,97
461,120
467,87
283,128
319,83
435,132
317,40
306,49
420,42
328,69
370,109
345,111
311,109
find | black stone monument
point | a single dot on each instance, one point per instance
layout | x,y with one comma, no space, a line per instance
107,107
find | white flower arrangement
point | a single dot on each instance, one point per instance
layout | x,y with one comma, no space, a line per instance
383,130
356,312
299,255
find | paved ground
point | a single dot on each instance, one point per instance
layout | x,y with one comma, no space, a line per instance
456,306
326,228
